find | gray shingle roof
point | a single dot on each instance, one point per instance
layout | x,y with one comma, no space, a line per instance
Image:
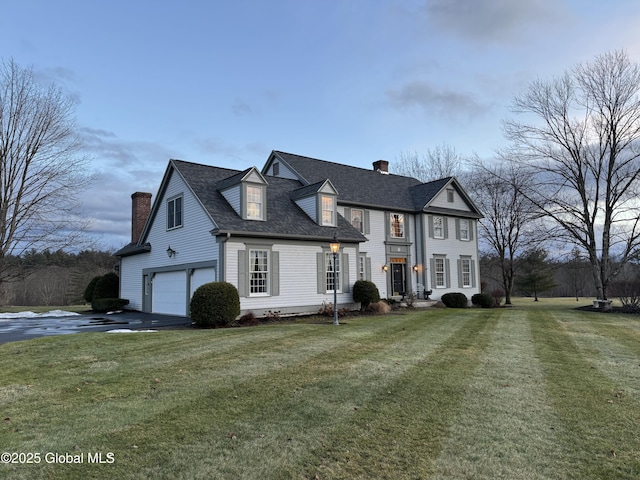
362,187
284,218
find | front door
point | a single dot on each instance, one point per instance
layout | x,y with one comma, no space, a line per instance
398,279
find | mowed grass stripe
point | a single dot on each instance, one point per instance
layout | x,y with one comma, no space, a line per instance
597,434
265,427
141,372
216,392
613,345
505,427
400,432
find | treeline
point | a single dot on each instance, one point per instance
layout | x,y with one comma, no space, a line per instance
539,275
52,278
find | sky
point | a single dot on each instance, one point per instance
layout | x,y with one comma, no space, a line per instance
225,82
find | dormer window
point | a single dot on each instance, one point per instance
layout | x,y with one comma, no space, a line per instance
328,211
255,203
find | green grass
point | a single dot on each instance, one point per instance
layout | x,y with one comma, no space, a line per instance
43,309
533,391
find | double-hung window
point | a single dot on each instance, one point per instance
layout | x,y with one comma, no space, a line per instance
330,268
357,219
254,203
397,225
328,211
440,272
258,272
174,213
464,229
465,271
438,227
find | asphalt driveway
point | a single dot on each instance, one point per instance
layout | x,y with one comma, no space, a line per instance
27,328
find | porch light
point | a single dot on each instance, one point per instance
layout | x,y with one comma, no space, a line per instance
385,267
334,246
416,268
171,252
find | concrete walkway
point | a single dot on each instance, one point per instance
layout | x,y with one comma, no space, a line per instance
27,328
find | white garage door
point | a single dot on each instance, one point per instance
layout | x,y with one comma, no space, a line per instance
169,293
200,276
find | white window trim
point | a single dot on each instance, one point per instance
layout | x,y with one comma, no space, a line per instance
435,228
463,262
260,204
401,221
332,222
466,237
361,228
267,272
328,257
443,272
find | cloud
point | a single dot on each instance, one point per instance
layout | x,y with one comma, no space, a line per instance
495,20
433,99
240,107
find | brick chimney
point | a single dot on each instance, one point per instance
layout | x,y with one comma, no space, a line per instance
381,166
140,210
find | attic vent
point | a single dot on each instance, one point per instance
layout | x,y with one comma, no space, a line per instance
381,166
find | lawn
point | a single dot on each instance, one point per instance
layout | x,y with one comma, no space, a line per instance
533,391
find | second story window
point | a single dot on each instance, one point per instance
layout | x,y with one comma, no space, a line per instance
254,203
357,219
464,229
397,225
328,211
438,227
174,213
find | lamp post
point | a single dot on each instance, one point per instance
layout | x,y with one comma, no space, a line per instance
335,248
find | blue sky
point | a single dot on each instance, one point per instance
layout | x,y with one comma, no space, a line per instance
353,81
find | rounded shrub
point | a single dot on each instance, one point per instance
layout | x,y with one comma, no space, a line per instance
107,286
88,292
483,300
454,300
365,293
215,304
108,304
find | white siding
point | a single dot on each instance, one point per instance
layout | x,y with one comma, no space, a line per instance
309,205
453,249
233,197
457,204
298,279
193,243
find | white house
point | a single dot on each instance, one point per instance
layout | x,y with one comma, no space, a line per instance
268,232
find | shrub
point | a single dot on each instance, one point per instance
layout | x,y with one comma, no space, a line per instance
379,308
497,295
483,300
107,286
455,300
108,304
215,304
248,319
88,292
365,292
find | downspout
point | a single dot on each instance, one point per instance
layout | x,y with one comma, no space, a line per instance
222,274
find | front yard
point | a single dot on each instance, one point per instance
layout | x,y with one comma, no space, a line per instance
525,392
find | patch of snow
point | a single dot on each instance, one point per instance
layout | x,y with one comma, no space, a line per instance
128,330
28,314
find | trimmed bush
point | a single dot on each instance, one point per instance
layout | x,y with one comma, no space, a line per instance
88,292
107,286
455,300
108,304
215,304
483,300
365,292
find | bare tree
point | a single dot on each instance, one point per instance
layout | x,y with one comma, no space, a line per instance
583,158
509,225
42,169
440,162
